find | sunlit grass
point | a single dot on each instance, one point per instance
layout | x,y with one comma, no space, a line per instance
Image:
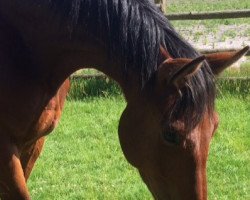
228,166
183,6
82,159
206,5
213,30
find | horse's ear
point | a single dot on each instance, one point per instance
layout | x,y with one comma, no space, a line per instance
220,61
165,54
181,75
177,71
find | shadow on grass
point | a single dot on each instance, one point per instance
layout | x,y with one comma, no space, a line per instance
101,87
85,88
237,87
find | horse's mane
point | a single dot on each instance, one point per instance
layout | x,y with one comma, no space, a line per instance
134,30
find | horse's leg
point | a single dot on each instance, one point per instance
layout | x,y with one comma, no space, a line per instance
29,156
12,181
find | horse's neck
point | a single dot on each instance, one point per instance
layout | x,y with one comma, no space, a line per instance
59,63
128,81
57,56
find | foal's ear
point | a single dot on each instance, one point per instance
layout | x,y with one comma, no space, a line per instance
186,71
220,61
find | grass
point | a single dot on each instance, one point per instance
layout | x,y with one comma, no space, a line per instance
239,83
228,166
93,87
243,71
82,158
215,28
178,6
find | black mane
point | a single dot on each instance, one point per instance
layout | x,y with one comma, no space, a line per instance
134,30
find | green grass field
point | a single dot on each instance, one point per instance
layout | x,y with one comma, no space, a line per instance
181,6
216,33
82,158
175,6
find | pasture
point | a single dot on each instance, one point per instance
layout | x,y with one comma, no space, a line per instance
82,158
206,5
217,33
181,6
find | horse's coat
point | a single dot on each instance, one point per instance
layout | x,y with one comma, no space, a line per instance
169,120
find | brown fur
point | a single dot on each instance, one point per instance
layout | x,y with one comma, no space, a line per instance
18,153
170,170
36,57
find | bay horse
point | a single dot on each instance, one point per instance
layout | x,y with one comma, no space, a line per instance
169,120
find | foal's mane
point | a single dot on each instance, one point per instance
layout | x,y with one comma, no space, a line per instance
133,30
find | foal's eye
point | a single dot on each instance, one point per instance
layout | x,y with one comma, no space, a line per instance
171,136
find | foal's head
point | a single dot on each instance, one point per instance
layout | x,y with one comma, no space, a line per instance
161,138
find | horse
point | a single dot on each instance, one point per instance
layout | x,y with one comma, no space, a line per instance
169,87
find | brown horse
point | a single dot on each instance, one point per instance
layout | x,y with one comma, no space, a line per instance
169,120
